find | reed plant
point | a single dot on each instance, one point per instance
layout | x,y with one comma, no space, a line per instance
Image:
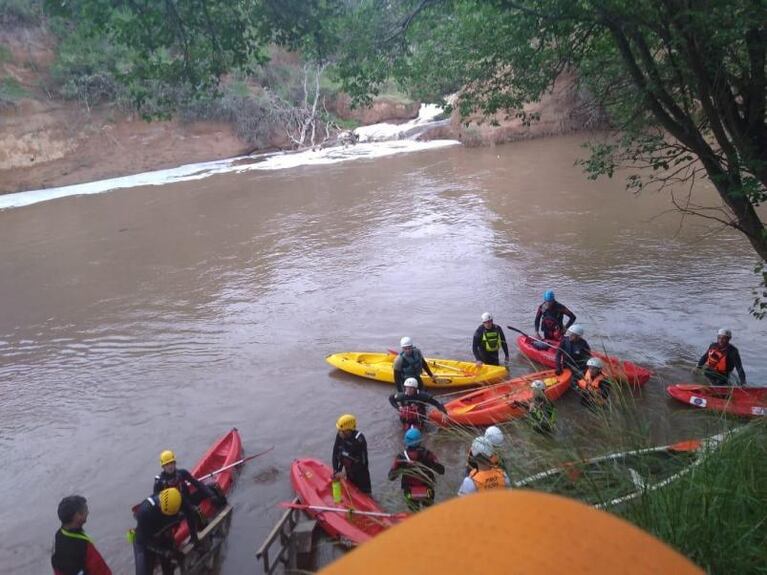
713,511
717,514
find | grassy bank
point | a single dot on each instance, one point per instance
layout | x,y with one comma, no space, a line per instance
714,512
717,514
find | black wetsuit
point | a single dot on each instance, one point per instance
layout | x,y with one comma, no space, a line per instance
352,454
486,344
412,408
410,366
549,318
154,537
573,354
732,362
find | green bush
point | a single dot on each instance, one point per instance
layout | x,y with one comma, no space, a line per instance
10,91
717,514
255,118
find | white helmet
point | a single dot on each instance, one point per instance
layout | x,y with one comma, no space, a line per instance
411,382
494,435
538,385
481,447
724,332
406,342
487,316
577,329
594,362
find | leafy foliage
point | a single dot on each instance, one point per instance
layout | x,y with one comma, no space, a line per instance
684,84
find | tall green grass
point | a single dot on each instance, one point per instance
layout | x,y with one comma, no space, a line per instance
717,514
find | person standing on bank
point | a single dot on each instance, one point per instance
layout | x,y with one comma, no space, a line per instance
721,359
410,363
350,453
549,317
488,340
73,551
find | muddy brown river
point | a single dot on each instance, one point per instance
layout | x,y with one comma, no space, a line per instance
157,318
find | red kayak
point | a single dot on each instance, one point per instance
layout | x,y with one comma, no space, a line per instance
615,368
224,452
745,401
311,480
496,403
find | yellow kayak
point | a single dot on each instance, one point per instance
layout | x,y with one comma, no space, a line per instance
449,372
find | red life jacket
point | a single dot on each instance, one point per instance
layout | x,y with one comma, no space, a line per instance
413,480
410,415
717,360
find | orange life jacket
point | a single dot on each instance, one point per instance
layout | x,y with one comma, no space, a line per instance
488,479
717,360
591,383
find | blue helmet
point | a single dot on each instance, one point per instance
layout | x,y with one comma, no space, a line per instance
412,437
548,295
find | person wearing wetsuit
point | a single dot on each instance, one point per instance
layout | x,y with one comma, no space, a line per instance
181,479
153,539
488,340
410,363
73,551
720,359
549,318
350,453
416,466
412,403
573,353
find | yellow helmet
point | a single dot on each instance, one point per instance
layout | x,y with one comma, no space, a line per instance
170,501
166,457
346,422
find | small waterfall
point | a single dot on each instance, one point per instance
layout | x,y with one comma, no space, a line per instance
426,120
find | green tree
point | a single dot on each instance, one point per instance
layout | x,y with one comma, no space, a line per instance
187,46
683,82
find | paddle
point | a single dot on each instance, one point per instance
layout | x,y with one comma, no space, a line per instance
346,510
217,471
235,464
512,328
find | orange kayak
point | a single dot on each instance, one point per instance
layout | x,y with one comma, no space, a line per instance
496,403
225,451
744,401
311,480
615,368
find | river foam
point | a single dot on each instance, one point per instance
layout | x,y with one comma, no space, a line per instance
274,161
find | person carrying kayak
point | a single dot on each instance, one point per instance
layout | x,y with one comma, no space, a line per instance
181,479
416,467
412,404
488,339
410,363
496,438
541,413
720,359
73,551
594,387
350,453
153,539
573,352
549,317
486,475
